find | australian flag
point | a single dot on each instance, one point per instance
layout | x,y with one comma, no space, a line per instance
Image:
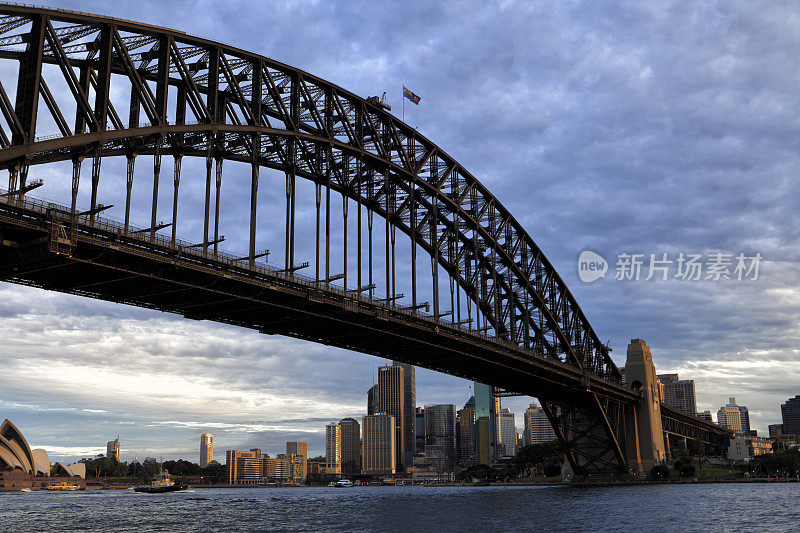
411,96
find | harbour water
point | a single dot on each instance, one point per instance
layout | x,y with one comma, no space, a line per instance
772,507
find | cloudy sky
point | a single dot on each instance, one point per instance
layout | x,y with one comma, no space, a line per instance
661,128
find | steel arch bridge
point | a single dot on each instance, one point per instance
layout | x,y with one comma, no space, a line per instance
498,312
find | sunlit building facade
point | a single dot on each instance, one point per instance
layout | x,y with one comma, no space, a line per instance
206,449
379,447
333,449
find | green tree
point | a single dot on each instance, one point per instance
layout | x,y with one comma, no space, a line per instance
659,473
686,470
478,472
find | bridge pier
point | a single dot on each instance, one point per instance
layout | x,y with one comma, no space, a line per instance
645,445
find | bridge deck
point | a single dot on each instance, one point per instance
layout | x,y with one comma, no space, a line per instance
98,258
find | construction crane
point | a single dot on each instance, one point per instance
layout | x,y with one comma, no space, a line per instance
380,102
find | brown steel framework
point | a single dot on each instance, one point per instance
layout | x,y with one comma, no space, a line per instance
519,327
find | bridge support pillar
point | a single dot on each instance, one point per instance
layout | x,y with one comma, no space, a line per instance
645,436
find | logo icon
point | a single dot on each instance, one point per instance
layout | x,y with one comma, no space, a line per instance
591,266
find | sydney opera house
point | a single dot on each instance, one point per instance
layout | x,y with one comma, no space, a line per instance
21,467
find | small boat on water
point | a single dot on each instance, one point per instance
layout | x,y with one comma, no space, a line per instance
64,485
343,483
24,489
161,483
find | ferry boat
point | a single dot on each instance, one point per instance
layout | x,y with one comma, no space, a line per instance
160,484
343,483
64,485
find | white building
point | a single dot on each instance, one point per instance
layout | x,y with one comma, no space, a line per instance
508,433
537,427
741,448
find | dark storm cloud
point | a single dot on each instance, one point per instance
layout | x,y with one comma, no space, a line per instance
615,127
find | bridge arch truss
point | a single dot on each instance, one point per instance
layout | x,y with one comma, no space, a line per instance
135,90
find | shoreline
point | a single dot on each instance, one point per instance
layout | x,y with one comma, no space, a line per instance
98,487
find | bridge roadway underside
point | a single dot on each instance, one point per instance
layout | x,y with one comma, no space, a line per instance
42,248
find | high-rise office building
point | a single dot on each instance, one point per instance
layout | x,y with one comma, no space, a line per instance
206,449
744,416
679,393
440,432
351,446
775,430
507,430
333,449
419,430
730,417
372,400
466,427
112,449
485,432
705,415
409,410
790,413
379,453
537,426
391,401
299,449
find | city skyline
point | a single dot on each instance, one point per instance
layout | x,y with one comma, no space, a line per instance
159,381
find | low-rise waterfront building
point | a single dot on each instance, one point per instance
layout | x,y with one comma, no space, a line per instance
741,448
244,466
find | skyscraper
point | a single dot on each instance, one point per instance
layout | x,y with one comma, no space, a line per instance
379,455
299,449
440,431
419,430
730,417
537,426
485,431
391,398
333,449
508,433
351,446
790,413
206,449
705,415
372,400
775,430
409,410
466,426
679,393
112,449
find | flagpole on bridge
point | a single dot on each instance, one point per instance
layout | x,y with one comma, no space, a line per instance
403,98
